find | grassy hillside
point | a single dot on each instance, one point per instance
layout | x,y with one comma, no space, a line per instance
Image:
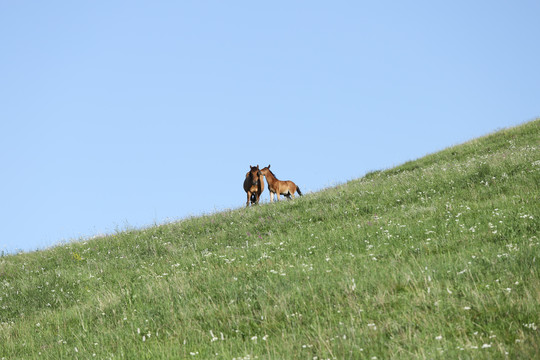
436,258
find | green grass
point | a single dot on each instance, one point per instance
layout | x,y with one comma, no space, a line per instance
436,258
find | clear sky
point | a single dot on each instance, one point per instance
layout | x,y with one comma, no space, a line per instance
121,114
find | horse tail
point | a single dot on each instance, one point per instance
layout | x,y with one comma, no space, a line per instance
298,189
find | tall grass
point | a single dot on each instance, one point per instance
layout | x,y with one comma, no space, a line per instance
436,258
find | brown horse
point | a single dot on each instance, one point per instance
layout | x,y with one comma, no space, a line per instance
253,185
275,186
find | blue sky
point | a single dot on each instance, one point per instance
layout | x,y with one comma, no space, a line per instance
122,114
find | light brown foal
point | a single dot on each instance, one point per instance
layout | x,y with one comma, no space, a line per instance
278,187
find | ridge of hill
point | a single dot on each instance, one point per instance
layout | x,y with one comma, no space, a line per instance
435,258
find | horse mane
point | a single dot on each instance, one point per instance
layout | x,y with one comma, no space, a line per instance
274,175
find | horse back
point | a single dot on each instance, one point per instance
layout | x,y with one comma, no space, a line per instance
291,186
261,184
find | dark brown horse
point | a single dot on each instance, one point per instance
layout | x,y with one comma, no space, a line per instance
275,186
253,185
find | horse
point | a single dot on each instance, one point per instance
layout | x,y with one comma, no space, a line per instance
253,185
275,186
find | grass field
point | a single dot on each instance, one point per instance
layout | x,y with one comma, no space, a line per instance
437,258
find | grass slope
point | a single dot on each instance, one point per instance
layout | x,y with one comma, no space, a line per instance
436,258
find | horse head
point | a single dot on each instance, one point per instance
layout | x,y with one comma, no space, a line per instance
264,171
254,173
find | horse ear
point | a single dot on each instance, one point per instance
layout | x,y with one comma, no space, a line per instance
269,166
257,166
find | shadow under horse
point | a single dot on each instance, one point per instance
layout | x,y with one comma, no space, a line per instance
253,185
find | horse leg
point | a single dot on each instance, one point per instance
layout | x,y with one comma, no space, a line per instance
257,196
271,196
248,198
